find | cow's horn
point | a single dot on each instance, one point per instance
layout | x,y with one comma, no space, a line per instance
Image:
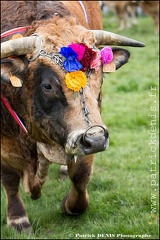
104,38
20,46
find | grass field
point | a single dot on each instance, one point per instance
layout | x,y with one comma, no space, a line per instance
123,189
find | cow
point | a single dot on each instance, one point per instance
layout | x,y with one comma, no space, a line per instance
126,12
151,8
52,67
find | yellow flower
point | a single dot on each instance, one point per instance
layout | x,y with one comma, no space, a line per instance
76,80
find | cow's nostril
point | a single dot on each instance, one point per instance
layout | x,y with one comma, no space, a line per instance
84,142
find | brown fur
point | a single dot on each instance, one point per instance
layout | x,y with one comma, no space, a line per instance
92,9
25,12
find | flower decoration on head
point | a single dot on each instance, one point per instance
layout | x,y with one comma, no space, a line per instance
79,48
71,63
76,80
106,55
88,57
85,54
95,64
78,59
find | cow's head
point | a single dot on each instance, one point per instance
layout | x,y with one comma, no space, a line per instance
62,101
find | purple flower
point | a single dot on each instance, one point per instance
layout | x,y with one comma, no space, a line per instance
106,55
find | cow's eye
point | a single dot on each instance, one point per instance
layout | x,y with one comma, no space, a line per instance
47,87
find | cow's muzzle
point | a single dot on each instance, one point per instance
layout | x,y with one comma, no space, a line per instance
94,140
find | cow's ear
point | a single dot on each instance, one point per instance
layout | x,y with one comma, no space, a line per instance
13,71
120,56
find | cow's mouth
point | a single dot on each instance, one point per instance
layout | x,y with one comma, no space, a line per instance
95,139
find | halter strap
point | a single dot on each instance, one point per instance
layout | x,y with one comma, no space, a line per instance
4,100
13,113
15,31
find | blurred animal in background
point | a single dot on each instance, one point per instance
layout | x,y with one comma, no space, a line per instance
124,10
129,11
151,8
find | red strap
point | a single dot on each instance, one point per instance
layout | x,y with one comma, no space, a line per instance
13,113
4,100
14,30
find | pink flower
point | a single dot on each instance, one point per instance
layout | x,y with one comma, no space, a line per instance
96,62
106,55
79,49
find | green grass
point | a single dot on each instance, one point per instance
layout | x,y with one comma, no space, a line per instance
120,189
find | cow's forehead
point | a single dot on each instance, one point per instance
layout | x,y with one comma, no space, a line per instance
60,32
